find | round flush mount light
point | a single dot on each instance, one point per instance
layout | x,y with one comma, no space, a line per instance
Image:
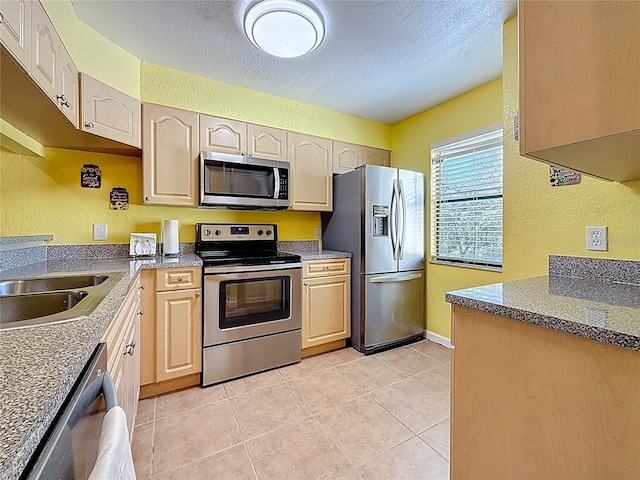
284,28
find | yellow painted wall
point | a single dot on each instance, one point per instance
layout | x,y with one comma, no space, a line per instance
179,89
539,220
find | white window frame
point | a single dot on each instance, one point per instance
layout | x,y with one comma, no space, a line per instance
437,149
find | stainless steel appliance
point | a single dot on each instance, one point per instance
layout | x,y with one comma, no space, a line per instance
378,216
252,310
243,182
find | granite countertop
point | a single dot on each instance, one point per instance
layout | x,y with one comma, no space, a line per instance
319,254
39,365
605,311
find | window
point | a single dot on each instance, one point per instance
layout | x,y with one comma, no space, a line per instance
466,199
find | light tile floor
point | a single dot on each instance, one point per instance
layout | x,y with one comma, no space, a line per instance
340,415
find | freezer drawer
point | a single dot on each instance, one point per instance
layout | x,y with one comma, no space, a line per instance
393,308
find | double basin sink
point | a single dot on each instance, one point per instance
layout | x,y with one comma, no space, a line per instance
46,300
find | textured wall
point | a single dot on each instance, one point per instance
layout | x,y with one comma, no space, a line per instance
43,196
168,86
539,220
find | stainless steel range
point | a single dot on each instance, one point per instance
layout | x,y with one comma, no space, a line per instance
251,301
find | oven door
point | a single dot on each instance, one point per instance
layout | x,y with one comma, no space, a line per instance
247,304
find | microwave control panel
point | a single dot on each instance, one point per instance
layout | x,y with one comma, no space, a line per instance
284,185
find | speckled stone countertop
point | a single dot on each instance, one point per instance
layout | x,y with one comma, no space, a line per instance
39,365
605,311
26,239
319,254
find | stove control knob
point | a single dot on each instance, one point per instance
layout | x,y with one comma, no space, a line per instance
268,232
260,232
207,232
218,232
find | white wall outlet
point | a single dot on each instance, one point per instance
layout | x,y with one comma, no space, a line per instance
99,231
318,232
597,238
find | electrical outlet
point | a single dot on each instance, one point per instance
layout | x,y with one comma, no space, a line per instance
99,231
597,238
318,232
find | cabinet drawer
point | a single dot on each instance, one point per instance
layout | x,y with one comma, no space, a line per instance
321,268
178,279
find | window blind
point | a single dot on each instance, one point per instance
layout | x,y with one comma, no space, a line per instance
466,201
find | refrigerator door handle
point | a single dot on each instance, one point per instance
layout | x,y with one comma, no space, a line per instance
403,220
404,277
393,219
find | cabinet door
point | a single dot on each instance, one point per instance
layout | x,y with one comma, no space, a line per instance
15,29
45,45
326,307
169,156
178,334
130,384
346,157
223,135
147,327
376,156
266,142
67,88
109,112
311,181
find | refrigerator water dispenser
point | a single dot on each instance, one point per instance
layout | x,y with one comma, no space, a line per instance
380,220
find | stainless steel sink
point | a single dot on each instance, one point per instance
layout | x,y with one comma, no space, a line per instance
48,284
46,300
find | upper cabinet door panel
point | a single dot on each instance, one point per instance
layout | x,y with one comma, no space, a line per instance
67,88
44,50
376,156
15,30
222,135
266,142
110,113
169,156
311,180
346,157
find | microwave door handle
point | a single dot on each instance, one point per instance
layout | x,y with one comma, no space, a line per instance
276,180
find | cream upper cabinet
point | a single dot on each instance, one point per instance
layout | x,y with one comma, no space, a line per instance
580,85
346,157
45,46
67,88
169,156
266,142
311,181
223,135
15,29
376,156
109,113
326,301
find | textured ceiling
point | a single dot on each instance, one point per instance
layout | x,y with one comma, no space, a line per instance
381,60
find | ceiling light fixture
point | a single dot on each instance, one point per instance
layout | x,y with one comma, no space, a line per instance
284,28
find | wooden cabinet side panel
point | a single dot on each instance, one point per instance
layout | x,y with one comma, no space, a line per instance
15,30
169,156
147,328
222,135
579,73
326,310
266,142
178,335
523,393
311,181
44,50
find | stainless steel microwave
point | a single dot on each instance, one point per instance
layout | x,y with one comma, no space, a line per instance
243,182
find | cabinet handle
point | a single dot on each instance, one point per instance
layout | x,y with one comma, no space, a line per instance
141,312
89,125
130,348
327,268
1,19
197,295
141,287
179,279
146,199
305,284
63,101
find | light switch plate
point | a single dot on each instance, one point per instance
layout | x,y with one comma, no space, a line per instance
99,231
597,238
318,232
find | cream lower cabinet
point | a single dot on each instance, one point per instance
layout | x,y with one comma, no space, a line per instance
171,337
123,353
170,140
311,182
326,301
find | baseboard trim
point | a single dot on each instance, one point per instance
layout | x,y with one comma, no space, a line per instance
434,337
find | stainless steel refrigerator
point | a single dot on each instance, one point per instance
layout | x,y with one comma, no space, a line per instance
378,216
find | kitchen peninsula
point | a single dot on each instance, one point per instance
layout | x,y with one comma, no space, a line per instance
546,374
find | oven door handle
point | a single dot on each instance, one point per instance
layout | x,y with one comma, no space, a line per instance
276,179
252,268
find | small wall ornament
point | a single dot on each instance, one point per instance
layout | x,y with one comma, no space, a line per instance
90,176
119,199
559,177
